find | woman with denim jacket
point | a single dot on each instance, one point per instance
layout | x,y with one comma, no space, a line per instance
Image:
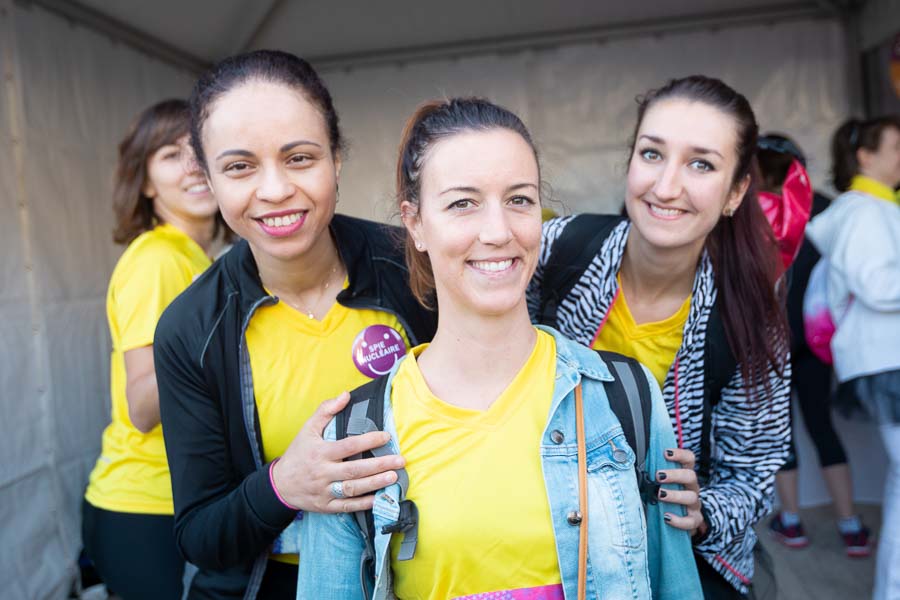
485,415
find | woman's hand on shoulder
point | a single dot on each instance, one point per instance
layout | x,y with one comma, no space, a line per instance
304,475
688,496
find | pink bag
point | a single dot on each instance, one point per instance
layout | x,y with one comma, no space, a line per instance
788,212
818,326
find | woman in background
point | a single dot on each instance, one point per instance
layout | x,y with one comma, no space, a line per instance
859,236
166,215
812,380
686,282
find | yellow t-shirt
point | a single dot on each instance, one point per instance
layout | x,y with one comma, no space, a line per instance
298,362
653,344
132,474
475,535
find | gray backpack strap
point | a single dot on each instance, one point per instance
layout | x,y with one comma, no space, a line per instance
630,400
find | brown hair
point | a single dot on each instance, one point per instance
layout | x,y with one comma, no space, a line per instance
157,126
742,248
852,135
430,123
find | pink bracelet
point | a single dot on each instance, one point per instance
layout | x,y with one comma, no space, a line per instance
275,489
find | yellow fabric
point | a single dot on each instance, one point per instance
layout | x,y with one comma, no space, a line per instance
653,344
867,185
132,474
484,518
298,362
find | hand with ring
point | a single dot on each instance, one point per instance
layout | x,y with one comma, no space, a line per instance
337,489
312,475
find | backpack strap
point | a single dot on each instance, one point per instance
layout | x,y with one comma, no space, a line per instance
720,364
577,245
365,413
630,400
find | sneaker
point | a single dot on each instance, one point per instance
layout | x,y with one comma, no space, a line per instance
791,536
858,544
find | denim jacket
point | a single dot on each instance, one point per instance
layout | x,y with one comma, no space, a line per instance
628,554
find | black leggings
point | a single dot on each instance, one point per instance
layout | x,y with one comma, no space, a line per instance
134,554
812,382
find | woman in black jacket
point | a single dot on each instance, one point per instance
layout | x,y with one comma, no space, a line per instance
308,305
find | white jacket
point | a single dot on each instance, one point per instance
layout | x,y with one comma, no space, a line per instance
860,237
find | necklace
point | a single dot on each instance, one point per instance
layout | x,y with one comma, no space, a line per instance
309,310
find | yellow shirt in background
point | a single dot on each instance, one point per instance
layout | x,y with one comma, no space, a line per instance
132,474
298,362
653,344
476,478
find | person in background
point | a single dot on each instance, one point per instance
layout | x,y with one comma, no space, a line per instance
687,279
308,304
811,381
859,236
166,216
486,415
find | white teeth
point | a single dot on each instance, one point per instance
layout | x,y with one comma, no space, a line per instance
665,212
198,188
281,221
492,266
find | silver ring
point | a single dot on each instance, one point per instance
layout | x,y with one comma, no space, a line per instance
337,489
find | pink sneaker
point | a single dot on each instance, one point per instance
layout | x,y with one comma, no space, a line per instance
859,544
791,536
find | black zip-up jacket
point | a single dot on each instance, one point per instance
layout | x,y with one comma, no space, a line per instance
226,512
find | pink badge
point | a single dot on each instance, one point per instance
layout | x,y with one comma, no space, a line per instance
377,349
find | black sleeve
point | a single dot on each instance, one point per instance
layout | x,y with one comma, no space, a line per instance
221,521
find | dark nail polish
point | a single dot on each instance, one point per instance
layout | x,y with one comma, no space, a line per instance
663,493
660,476
667,518
670,453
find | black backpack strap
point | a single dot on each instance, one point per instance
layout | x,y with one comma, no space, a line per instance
720,364
365,413
577,245
630,400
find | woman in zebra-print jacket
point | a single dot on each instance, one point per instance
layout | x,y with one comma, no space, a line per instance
696,236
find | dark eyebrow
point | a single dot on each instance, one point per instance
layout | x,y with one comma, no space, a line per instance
519,186
473,190
461,188
286,148
694,149
243,153
291,145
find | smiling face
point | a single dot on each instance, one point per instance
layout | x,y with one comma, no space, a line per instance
272,168
479,220
680,176
177,187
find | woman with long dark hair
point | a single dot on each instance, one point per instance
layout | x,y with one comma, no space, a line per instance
687,285
504,425
248,356
859,237
166,216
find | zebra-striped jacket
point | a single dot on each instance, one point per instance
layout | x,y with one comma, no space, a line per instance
750,438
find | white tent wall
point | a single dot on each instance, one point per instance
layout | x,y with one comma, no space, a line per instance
69,93
579,102
68,96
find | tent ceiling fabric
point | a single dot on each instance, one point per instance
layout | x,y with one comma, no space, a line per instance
322,31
